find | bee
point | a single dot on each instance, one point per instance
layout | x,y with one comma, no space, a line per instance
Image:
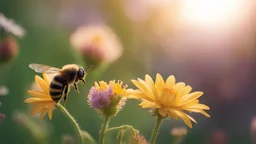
68,75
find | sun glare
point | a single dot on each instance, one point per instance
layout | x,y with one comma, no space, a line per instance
212,12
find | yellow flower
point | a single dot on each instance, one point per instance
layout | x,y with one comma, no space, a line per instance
41,99
168,98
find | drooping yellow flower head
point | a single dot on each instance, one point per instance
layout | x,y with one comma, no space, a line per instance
41,99
168,97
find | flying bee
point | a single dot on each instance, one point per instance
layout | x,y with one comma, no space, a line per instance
65,77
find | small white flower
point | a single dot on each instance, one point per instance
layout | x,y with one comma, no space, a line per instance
3,90
10,26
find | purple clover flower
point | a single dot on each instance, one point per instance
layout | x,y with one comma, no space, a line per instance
99,98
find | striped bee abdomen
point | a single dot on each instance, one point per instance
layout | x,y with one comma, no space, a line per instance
56,88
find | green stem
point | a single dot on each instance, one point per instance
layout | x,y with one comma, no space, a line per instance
155,132
79,132
120,136
122,127
177,140
103,128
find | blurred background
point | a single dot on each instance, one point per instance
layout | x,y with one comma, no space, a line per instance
209,44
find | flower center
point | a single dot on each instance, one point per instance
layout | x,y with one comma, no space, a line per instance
168,97
169,91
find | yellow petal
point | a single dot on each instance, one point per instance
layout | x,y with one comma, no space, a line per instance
159,85
159,81
36,109
50,113
43,112
146,85
46,80
191,97
162,112
136,94
32,99
144,89
205,113
167,98
179,86
96,85
147,104
184,117
41,83
48,77
38,94
133,94
150,83
170,81
184,91
40,101
199,111
187,104
199,106
192,119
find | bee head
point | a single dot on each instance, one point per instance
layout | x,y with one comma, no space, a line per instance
81,73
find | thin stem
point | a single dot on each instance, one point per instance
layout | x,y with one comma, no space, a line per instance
122,127
120,136
65,111
87,138
177,140
103,128
155,132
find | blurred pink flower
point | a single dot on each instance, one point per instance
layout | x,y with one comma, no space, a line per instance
219,137
8,49
96,44
2,117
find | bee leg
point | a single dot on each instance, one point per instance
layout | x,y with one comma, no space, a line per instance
65,93
76,88
83,81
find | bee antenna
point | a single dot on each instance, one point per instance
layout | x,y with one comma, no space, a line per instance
88,67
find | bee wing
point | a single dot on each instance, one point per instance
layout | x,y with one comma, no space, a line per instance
40,68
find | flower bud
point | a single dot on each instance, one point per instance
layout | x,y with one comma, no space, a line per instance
2,117
67,139
38,130
253,129
219,137
138,139
3,90
96,44
8,49
177,134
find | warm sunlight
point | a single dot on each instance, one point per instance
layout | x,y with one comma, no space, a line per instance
212,12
